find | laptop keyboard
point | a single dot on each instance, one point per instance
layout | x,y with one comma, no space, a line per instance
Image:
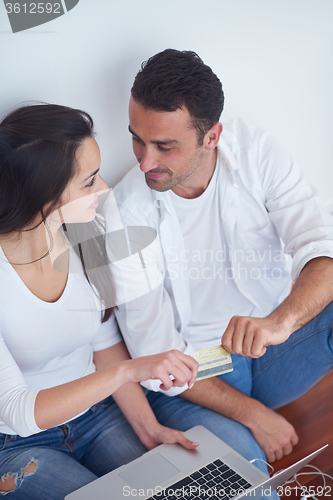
215,481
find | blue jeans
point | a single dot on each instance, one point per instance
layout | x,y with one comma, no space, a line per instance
283,374
69,456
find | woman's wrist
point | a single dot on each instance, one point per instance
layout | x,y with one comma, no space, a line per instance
127,371
148,431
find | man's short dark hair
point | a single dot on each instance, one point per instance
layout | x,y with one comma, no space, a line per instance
175,79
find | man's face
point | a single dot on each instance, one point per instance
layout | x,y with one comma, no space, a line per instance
166,146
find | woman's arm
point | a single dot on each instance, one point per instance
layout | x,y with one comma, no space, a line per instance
134,405
61,403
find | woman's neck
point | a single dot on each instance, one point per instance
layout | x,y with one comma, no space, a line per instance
33,243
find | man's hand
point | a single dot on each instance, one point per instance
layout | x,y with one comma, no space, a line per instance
273,433
154,434
250,336
312,292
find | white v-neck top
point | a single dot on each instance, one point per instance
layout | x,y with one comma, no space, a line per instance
44,344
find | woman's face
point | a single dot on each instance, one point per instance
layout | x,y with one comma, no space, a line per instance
80,198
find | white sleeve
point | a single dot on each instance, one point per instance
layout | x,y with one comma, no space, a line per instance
148,327
108,335
299,215
17,401
147,321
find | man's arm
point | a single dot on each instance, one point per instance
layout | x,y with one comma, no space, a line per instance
306,228
272,432
312,292
140,321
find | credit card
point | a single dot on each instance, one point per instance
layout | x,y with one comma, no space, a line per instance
212,361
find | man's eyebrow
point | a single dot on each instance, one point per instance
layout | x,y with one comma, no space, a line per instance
166,142
132,132
91,175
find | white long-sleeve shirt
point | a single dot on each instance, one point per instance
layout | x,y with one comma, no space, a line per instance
271,218
44,344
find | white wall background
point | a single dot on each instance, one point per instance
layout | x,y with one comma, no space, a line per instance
274,58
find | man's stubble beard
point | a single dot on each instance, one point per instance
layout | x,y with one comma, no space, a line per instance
163,185
173,180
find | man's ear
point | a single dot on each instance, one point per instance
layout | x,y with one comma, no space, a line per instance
212,137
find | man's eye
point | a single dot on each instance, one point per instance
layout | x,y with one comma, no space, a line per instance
161,148
92,182
136,139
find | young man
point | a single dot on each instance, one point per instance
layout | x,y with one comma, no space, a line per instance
238,225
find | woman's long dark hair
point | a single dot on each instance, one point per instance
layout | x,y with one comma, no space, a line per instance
38,144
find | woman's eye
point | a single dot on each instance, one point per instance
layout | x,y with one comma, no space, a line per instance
92,182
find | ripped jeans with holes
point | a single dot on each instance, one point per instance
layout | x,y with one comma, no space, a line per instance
53,463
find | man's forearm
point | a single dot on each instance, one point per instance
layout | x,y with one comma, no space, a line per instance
313,291
272,432
217,395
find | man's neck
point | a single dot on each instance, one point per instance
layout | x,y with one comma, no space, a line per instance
197,183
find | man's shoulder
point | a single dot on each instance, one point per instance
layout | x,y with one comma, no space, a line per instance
249,147
239,134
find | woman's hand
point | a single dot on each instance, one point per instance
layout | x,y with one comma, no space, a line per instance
130,397
153,435
173,368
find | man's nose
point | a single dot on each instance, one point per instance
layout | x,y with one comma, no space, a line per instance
148,161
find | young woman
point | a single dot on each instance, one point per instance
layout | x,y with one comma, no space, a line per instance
59,360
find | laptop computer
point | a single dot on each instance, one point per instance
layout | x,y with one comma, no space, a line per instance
214,470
